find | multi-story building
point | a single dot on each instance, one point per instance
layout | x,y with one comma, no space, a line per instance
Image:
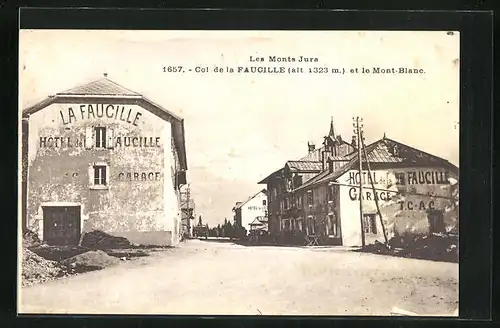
283,206
102,157
413,191
254,207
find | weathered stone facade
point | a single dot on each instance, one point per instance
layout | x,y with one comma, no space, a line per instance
115,158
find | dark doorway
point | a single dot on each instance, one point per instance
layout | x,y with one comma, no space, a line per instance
436,221
61,225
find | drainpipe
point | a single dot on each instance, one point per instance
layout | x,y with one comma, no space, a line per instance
24,174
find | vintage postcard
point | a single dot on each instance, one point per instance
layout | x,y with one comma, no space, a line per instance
239,172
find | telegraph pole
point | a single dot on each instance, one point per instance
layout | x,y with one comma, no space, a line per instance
358,125
188,194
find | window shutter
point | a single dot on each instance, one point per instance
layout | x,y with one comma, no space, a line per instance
89,137
110,142
91,175
108,174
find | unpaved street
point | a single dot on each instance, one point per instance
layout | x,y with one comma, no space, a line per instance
207,277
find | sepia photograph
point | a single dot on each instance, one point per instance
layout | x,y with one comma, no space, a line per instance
245,172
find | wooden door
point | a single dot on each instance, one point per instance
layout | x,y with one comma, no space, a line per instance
61,225
436,221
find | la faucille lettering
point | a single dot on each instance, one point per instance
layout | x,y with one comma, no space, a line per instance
92,112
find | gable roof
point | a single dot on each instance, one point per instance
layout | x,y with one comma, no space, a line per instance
104,90
314,155
383,152
304,166
272,175
102,87
258,221
240,204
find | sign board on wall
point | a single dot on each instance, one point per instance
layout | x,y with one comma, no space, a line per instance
420,187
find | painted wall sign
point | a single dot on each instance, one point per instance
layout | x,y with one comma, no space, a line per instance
354,194
257,208
71,142
139,176
62,142
354,178
137,142
89,112
422,177
416,205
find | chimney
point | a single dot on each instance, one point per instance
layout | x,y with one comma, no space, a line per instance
354,141
330,165
311,147
105,74
324,159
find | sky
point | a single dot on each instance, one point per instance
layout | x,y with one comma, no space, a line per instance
242,127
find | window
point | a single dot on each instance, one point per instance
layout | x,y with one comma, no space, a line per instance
100,137
310,198
400,178
332,225
330,193
285,203
99,175
264,202
436,221
299,202
297,181
370,223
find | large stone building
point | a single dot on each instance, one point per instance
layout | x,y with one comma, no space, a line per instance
282,205
102,157
415,193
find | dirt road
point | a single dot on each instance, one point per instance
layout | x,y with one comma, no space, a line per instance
211,278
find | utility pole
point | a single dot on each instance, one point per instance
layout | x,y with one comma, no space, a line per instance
188,194
373,189
358,125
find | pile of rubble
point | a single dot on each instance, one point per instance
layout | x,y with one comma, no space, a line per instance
89,261
436,247
36,269
97,251
100,240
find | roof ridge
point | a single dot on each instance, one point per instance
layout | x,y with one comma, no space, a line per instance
419,150
123,89
370,148
341,170
250,198
303,161
79,86
121,86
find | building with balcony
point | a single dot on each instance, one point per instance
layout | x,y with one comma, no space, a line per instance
406,189
283,206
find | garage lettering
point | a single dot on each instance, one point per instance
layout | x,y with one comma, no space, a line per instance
139,176
368,195
92,112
